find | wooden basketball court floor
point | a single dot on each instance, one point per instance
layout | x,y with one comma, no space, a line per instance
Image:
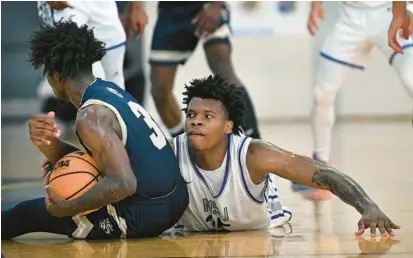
378,156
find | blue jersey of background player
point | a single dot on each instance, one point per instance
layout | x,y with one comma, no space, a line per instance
142,192
180,26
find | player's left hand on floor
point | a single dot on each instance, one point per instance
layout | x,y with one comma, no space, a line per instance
56,205
374,218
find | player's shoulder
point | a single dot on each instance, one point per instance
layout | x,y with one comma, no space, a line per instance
259,150
94,113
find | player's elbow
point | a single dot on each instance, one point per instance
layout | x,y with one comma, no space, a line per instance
128,185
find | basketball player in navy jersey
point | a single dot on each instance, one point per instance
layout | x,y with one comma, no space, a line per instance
228,172
180,26
142,192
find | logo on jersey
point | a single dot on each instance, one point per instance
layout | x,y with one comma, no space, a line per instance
115,92
215,218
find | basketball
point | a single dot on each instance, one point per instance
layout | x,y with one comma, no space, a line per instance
74,175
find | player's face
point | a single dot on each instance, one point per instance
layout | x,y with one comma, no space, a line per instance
57,86
207,123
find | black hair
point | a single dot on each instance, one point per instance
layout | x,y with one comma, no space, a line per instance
65,48
215,87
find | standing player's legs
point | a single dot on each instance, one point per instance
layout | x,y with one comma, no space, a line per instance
345,48
112,64
402,63
218,53
404,67
172,45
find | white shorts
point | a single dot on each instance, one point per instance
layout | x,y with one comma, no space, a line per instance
356,31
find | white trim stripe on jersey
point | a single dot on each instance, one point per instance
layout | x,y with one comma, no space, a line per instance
243,164
227,167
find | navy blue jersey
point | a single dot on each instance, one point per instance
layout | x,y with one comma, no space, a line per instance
151,157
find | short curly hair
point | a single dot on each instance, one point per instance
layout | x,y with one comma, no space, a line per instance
215,87
65,48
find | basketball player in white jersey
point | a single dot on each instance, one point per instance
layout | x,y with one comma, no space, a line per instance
104,18
361,26
230,177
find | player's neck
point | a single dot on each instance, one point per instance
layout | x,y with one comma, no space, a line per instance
76,88
210,159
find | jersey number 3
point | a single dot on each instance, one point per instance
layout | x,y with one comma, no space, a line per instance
157,137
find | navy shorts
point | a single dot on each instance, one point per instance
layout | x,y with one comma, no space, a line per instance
134,218
174,41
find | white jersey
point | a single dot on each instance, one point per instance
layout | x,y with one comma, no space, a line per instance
232,207
101,15
368,4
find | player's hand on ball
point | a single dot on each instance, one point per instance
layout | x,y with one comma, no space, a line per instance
56,205
374,218
208,20
47,168
42,129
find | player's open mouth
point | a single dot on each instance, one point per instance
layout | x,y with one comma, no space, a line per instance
196,134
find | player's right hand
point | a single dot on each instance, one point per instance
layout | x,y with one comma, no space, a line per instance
317,11
42,129
135,20
401,23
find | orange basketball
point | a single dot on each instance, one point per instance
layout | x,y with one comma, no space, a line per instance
74,175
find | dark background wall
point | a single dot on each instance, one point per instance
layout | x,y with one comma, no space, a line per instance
18,79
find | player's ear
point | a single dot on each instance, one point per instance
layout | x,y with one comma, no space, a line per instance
229,125
57,77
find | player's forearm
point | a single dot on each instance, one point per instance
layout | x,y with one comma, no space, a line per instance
399,8
108,190
135,5
343,186
316,4
57,149
218,3
308,172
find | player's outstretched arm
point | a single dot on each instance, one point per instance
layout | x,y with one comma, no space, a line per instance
264,158
99,130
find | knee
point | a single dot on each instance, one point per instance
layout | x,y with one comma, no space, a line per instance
325,94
